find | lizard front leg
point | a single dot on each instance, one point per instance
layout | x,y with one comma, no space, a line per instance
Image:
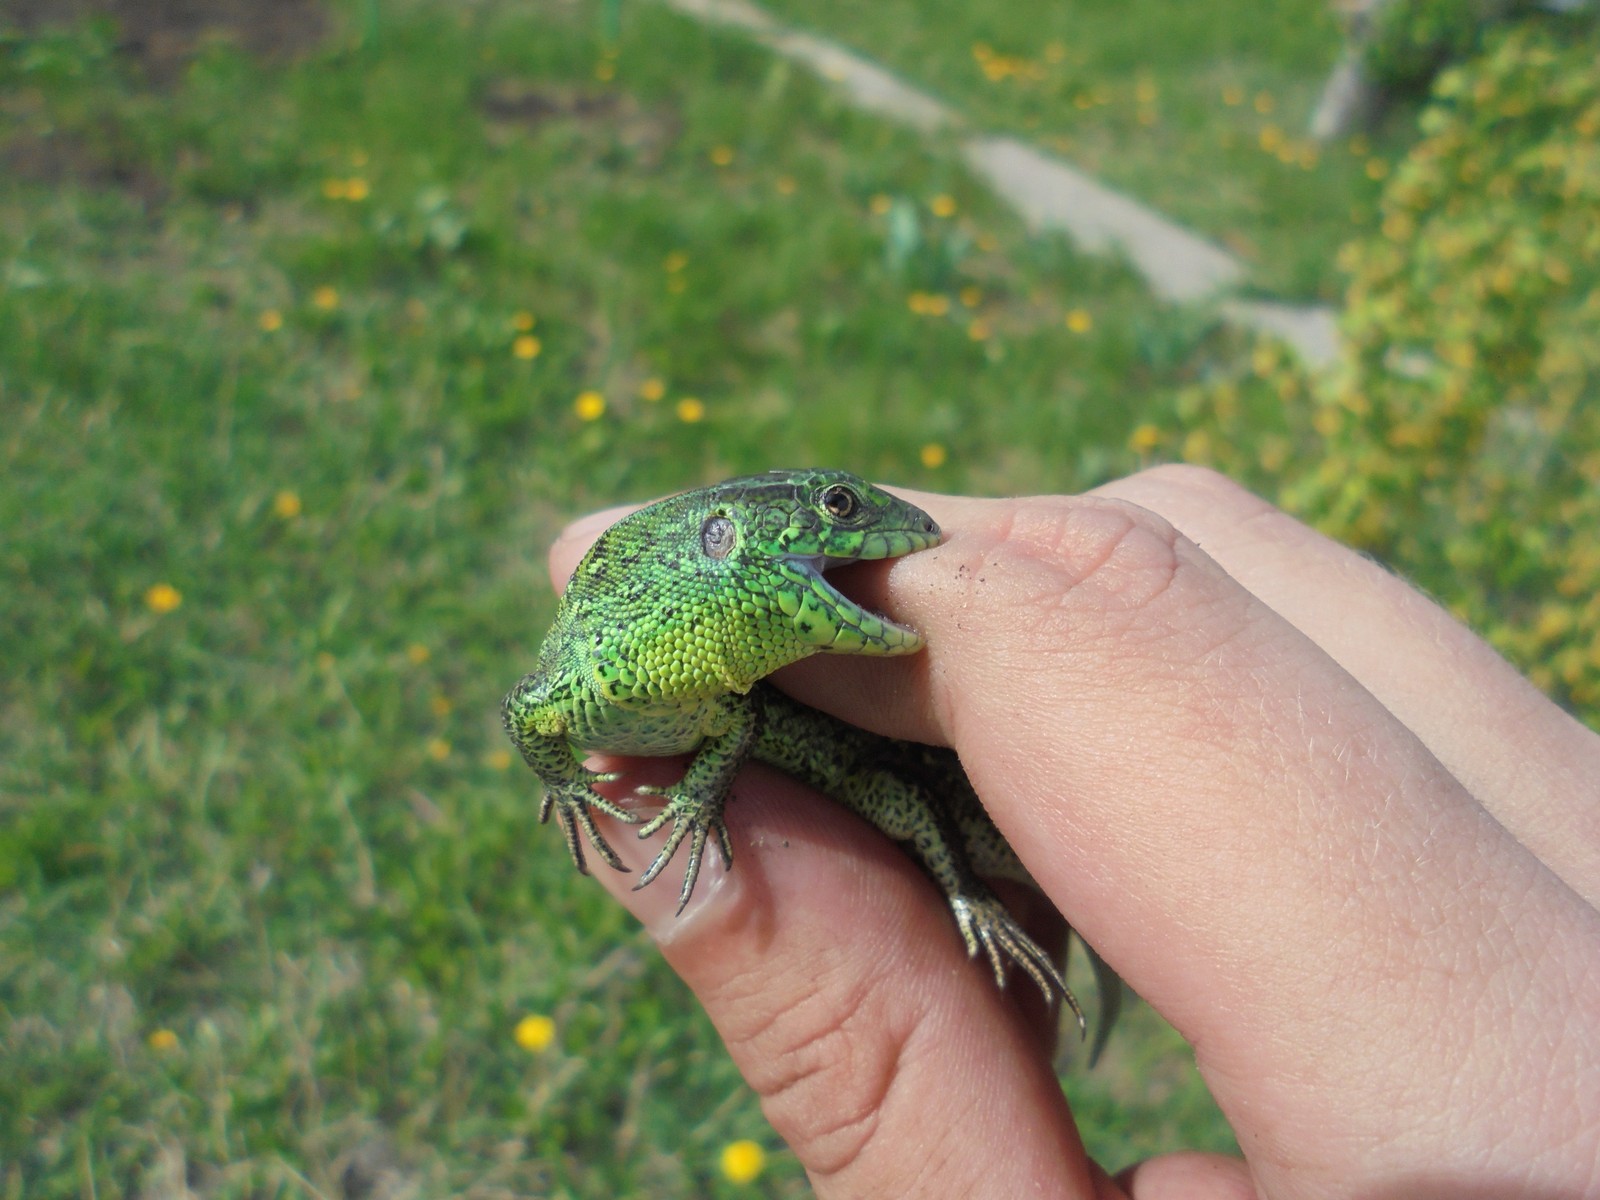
695,803
569,791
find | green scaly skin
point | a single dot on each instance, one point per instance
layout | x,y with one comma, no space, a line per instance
668,623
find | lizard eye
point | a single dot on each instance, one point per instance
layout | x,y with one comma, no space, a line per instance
840,501
717,537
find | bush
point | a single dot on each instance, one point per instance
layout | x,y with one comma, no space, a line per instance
1459,437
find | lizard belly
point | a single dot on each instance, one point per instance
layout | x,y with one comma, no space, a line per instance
651,732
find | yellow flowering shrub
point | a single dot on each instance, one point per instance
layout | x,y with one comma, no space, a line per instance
1458,438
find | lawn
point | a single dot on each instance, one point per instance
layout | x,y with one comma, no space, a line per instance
1201,110
306,352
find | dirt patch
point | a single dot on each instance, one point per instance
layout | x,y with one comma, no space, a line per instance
163,35
58,158
613,121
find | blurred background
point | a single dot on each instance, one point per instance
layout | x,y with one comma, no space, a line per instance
318,318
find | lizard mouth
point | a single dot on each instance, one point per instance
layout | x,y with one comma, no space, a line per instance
855,629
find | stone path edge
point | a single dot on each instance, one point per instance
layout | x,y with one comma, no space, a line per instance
1178,265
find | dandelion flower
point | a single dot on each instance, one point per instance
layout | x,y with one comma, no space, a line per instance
325,297
743,1161
526,346
933,455
534,1033
652,389
721,156
286,504
1079,320
691,410
589,405
270,321
163,598
943,205
418,654
162,1040
1144,438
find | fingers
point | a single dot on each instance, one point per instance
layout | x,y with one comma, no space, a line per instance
887,1060
1253,839
1532,765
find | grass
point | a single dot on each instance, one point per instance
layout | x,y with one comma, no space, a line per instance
1200,110
303,364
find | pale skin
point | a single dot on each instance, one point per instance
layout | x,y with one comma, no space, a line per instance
1322,828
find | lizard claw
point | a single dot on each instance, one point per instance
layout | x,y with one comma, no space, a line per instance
986,923
572,808
689,820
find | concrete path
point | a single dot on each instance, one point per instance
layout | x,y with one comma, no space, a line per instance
1178,265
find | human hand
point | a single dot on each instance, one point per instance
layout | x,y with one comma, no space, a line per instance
1324,830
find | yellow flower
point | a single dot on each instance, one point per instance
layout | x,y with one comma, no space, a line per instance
1144,438
439,705
523,321
1376,168
786,185
1271,138
286,504
933,456
971,297
333,189
162,1040
1264,103
652,390
497,760
418,654
880,204
1079,320
743,1161
163,598
604,71
943,205
526,346
979,330
589,405
691,410
1145,91
270,321
1233,95
438,749
675,262
356,189
721,156
535,1033
325,297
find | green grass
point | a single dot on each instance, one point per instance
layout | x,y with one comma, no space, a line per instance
1199,109
278,821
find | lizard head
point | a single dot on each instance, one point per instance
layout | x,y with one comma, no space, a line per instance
795,525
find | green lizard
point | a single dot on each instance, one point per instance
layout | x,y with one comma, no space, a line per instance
668,623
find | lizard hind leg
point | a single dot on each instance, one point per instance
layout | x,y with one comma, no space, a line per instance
985,922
